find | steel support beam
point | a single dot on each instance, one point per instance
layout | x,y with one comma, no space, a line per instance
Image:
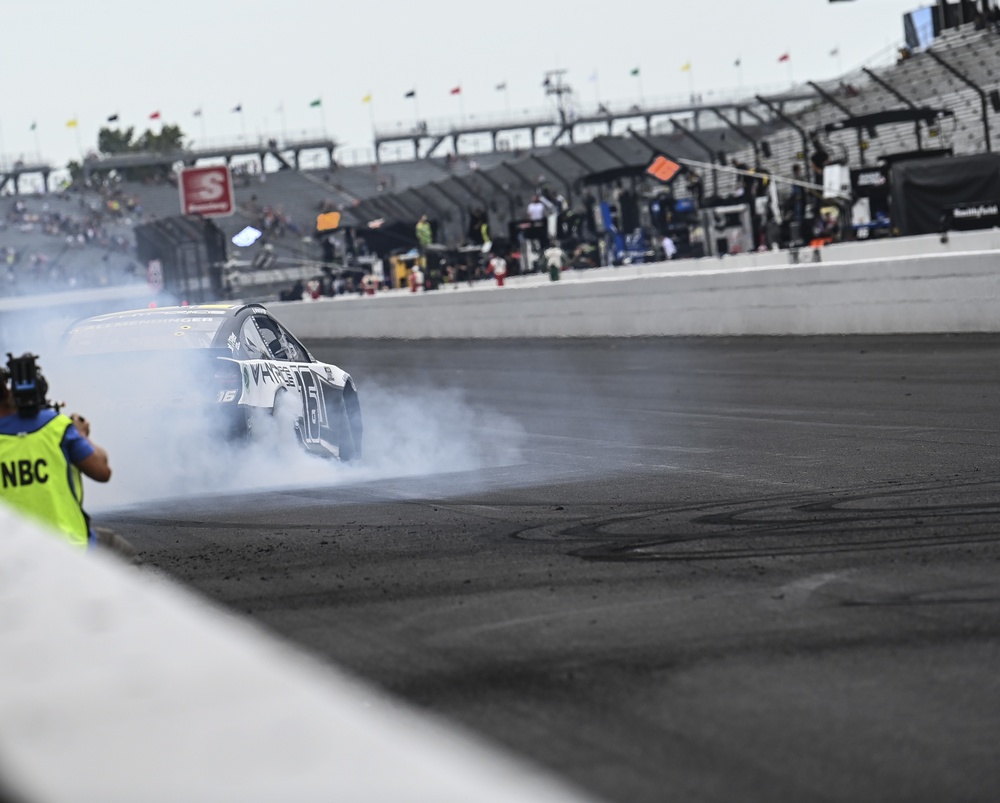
777,112
743,133
899,96
713,159
834,102
969,82
565,182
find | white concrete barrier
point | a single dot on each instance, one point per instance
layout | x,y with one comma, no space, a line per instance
955,292
114,688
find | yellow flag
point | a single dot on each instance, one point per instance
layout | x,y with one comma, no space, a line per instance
686,67
71,123
367,98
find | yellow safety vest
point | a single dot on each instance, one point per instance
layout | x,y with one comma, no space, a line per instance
37,480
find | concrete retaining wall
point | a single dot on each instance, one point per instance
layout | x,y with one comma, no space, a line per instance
116,687
956,292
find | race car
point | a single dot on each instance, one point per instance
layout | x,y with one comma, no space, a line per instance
238,362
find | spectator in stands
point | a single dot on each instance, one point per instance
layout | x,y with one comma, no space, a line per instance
669,247
585,256
424,233
555,207
555,259
744,183
498,269
416,278
796,206
818,159
536,210
849,90
479,227
590,213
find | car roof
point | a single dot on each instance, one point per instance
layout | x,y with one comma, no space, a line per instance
221,310
196,326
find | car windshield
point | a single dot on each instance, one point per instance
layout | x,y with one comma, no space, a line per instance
142,331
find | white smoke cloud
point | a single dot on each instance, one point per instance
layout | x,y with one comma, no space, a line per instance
162,445
176,453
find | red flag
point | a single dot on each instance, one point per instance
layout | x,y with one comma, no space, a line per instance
154,116
456,90
784,57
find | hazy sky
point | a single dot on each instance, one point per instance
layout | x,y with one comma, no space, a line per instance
65,59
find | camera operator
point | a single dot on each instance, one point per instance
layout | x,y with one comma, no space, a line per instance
42,455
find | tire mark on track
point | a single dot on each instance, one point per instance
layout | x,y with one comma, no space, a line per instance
954,511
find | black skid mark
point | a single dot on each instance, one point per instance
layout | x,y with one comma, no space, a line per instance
869,518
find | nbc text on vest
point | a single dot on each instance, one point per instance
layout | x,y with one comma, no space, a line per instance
18,473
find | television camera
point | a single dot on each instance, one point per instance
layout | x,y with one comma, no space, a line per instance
28,385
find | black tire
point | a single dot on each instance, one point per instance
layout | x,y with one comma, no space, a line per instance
280,400
235,424
351,428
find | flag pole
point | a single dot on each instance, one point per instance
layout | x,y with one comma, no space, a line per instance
791,76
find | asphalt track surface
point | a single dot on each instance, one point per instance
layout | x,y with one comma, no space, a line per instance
703,570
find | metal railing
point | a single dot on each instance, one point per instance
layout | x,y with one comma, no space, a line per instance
445,126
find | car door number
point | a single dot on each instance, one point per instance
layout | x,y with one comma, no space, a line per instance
314,411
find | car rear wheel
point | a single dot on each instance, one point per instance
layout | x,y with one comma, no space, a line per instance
287,408
351,428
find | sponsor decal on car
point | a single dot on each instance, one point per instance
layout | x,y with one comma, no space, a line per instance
269,373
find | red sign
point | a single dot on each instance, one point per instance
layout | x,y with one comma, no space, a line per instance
206,191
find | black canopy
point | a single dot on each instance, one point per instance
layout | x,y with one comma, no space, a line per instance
888,117
926,192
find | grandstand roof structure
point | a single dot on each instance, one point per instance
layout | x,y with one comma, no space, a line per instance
955,80
939,101
10,176
285,152
943,99
426,137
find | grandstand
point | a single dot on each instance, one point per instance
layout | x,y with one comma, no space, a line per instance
66,241
918,80
946,95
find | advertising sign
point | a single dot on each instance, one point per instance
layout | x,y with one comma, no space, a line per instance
206,191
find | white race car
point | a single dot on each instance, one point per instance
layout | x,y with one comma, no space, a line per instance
236,361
